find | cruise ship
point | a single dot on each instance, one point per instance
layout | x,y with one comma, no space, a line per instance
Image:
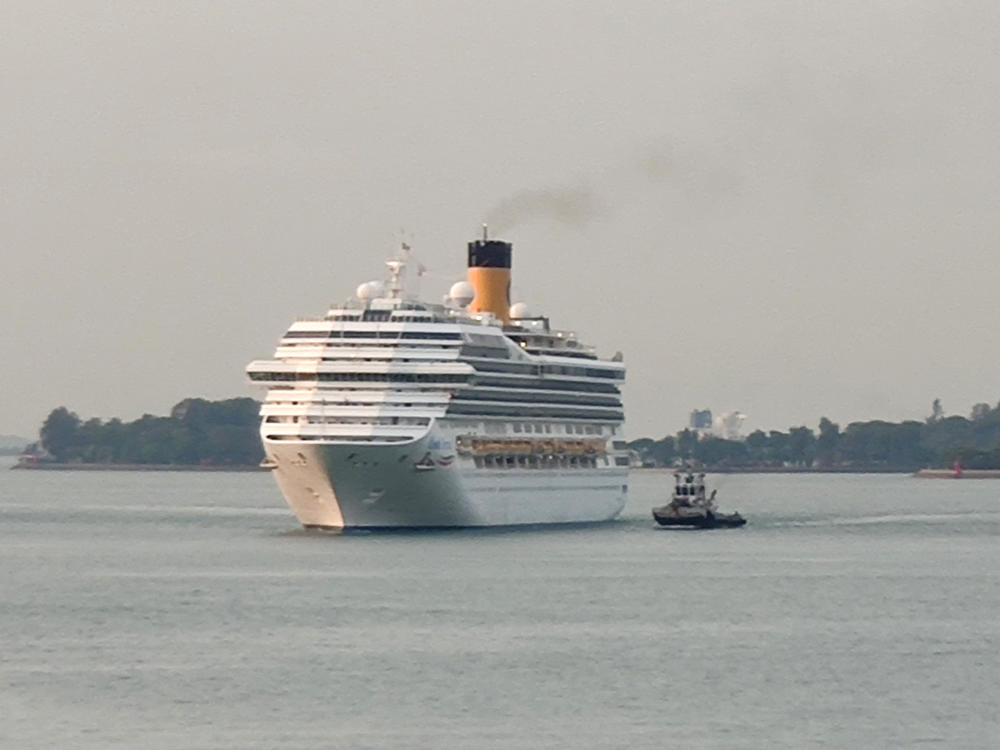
389,412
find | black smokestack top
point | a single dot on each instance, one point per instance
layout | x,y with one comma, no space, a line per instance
490,254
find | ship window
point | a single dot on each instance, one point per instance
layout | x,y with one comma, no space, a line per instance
306,334
517,427
621,461
438,335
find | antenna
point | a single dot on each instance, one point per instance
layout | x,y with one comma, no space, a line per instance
485,232
396,267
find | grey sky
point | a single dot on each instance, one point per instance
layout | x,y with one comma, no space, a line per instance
784,208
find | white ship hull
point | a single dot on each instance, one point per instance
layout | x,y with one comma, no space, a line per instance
341,486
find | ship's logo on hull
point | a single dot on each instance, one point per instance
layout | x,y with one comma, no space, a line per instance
374,496
433,462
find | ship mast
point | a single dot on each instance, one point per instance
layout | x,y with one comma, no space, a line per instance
397,269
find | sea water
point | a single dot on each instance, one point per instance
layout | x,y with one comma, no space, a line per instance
188,610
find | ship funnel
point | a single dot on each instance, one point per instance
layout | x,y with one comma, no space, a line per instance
489,274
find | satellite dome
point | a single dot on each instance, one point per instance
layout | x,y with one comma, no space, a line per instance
462,293
520,310
369,291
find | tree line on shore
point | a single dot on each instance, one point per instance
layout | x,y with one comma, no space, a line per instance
224,433
904,446
197,432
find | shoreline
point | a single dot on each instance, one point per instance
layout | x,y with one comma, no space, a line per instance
965,474
920,474
132,467
778,470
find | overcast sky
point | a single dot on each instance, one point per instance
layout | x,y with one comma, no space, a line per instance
786,208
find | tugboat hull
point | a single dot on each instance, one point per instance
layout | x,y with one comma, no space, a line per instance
664,517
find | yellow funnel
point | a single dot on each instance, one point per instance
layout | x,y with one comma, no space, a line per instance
489,274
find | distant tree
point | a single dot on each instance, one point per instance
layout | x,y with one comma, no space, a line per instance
756,444
940,439
907,449
801,446
664,451
92,441
197,412
687,440
980,412
827,442
643,447
197,432
985,427
114,439
864,443
60,434
885,444
716,451
778,448
977,459
656,452
937,413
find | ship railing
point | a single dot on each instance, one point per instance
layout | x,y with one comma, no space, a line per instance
467,446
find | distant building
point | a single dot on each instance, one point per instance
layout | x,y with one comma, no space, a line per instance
701,422
728,425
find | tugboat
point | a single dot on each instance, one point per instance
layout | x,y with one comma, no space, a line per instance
690,507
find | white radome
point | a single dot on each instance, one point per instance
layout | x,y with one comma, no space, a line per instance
520,310
370,290
462,293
